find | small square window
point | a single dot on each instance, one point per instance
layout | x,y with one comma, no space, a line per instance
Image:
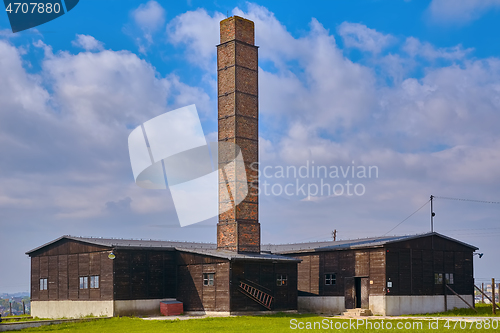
84,282
208,279
438,278
449,278
281,279
330,279
43,284
94,282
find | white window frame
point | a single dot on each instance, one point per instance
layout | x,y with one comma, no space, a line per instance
43,284
84,282
94,282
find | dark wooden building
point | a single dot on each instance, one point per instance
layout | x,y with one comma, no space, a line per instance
74,276
388,275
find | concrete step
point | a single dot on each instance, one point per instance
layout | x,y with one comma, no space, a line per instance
357,312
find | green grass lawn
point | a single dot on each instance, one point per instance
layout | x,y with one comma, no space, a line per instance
9,319
268,324
482,311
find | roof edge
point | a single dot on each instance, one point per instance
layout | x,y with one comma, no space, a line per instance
59,239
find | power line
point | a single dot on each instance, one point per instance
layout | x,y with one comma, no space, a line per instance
425,204
484,234
470,200
474,229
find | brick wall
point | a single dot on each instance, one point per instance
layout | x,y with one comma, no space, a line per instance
237,66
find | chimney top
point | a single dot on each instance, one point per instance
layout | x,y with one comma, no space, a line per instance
237,28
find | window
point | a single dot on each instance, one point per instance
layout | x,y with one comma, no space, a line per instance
330,279
281,279
94,282
43,284
208,279
449,278
438,278
84,282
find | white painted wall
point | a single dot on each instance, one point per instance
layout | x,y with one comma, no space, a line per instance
377,305
78,309
384,305
71,309
455,302
139,307
399,305
321,304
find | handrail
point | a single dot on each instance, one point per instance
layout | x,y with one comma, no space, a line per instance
257,295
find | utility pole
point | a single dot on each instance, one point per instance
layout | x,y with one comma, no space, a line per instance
432,214
493,298
334,235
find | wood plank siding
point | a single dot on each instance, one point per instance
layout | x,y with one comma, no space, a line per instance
344,264
190,288
144,274
410,266
63,263
263,276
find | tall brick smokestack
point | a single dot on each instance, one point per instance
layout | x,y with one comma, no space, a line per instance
237,67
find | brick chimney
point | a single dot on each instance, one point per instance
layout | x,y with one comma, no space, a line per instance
237,68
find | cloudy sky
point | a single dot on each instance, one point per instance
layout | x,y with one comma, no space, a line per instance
409,88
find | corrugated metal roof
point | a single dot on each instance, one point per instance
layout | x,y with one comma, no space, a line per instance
349,244
240,256
209,249
270,251
130,243
140,243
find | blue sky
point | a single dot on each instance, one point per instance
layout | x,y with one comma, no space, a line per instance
411,87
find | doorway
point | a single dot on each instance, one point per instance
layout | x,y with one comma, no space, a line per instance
356,292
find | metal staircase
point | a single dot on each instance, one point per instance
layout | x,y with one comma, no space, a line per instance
257,295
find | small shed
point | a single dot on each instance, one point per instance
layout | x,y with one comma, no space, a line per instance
389,275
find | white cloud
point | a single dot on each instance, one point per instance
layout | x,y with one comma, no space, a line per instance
199,33
275,42
148,19
415,47
449,106
88,43
361,37
461,11
149,16
328,91
66,150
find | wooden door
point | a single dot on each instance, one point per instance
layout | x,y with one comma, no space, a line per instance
349,293
365,293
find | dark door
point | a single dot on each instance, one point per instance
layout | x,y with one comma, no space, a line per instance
360,289
349,293
357,291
